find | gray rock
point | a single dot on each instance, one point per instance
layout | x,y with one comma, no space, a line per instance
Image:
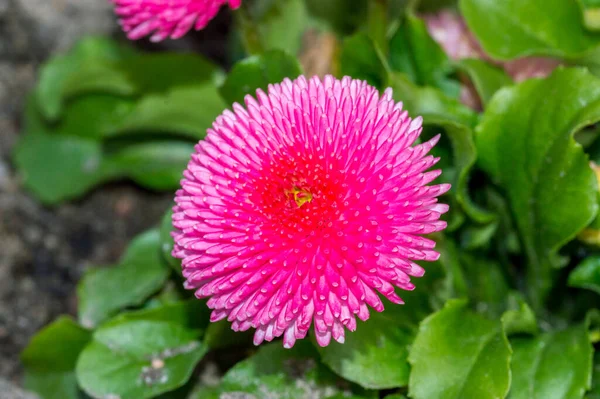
55,25
10,391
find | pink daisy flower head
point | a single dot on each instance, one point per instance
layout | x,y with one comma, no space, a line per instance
304,206
166,18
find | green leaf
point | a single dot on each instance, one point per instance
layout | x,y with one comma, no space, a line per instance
375,355
455,283
457,120
525,142
219,335
162,72
281,373
486,282
478,236
97,76
586,274
519,318
56,167
430,103
191,314
205,392
167,243
155,164
90,66
529,27
281,25
101,66
555,365
93,116
44,159
594,392
141,272
188,111
257,72
172,292
414,53
376,24
65,159
50,359
337,15
138,359
459,354
434,5
360,59
486,78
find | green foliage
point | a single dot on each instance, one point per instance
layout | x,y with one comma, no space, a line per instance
55,167
272,368
529,27
375,355
155,164
141,272
50,359
360,59
138,359
86,68
104,112
167,243
282,373
172,112
555,365
190,314
486,78
587,274
257,72
519,318
546,175
594,392
281,24
219,335
414,53
337,15
459,354
494,317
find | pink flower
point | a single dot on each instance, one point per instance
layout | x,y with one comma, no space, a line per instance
304,206
167,18
450,31
530,67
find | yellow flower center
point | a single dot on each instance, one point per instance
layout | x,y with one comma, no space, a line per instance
299,195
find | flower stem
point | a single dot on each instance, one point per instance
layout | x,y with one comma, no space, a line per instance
249,31
377,23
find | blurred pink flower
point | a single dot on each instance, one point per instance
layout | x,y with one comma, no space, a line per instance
304,206
530,67
166,18
451,32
